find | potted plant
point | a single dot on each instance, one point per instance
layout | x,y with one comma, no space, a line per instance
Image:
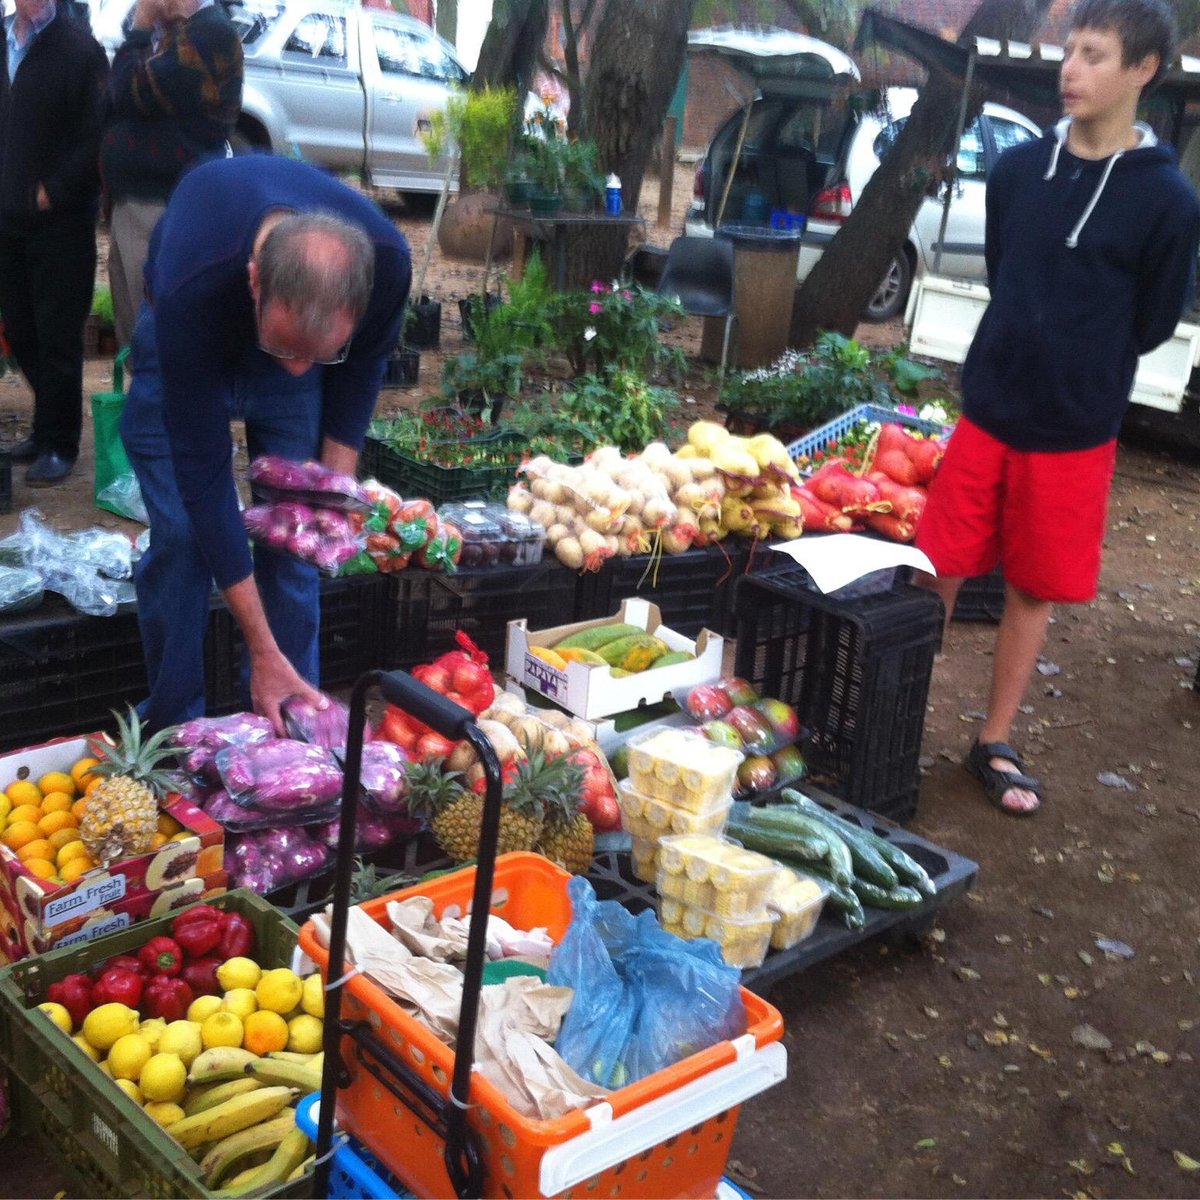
544,146
582,178
423,323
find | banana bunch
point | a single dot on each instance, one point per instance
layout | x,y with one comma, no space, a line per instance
239,1123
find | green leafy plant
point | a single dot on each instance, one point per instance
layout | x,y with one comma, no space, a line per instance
620,406
581,165
481,125
543,148
614,326
803,390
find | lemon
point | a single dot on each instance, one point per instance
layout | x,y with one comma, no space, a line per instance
163,1112
202,1008
181,1038
151,1029
265,1031
103,1026
312,997
59,1015
129,1055
279,990
241,1001
238,973
86,1047
305,1034
222,1029
164,1077
130,1089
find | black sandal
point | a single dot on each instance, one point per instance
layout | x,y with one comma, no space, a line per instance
997,783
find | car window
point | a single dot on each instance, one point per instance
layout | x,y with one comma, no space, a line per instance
1006,134
816,127
404,52
971,163
252,20
319,37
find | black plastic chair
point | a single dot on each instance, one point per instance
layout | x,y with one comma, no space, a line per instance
699,275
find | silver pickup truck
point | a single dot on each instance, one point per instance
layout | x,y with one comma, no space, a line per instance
341,86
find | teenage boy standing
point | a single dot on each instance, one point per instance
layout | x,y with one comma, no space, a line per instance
1091,252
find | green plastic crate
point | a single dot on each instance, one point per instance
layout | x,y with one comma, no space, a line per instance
100,1138
413,477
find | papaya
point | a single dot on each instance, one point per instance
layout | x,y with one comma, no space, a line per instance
635,652
673,659
597,636
550,657
581,655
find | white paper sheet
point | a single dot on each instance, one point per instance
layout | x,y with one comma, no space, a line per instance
836,559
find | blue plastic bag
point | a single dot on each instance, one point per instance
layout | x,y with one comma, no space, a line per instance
595,1032
644,999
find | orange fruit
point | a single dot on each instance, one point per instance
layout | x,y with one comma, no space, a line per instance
38,848
158,840
168,825
263,1032
92,782
57,781
75,849
58,802
79,808
25,812
56,822
81,768
19,833
43,868
64,837
71,870
23,791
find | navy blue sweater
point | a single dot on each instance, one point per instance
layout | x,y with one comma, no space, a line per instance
1090,264
204,323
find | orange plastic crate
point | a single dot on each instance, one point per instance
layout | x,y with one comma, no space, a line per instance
666,1135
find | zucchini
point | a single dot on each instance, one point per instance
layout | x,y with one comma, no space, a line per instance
804,845
869,864
877,897
787,822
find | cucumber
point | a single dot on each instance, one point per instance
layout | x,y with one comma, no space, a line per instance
906,867
869,864
804,845
842,899
877,897
786,822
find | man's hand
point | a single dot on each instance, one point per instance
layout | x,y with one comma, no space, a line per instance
272,680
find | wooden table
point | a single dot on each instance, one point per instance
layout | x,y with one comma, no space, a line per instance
556,229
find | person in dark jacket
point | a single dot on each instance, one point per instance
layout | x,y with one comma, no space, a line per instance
174,97
51,96
1091,249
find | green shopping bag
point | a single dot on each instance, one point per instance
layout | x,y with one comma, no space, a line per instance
116,487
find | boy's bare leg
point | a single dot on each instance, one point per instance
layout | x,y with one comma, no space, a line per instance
1019,642
946,587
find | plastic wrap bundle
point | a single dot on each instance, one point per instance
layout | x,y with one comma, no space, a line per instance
273,858
21,590
274,478
372,831
328,727
322,537
385,778
200,739
294,781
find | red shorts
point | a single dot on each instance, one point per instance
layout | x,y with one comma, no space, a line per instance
1042,514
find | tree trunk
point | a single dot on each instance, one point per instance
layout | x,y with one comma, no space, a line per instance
637,54
447,20
838,288
511,45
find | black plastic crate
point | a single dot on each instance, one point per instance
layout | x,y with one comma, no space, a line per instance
981,598
353,627
402,369
62,672
857,669
425,608
5,481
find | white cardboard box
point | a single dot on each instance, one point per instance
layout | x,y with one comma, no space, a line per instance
591,691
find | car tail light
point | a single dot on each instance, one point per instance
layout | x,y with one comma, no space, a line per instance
833,203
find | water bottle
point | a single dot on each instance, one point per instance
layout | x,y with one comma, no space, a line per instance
612,196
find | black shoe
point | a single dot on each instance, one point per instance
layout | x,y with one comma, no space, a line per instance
25,451
48,469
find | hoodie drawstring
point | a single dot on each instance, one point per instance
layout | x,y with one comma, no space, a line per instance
1073,236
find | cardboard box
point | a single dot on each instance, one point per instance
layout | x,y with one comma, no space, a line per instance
591,691
38,913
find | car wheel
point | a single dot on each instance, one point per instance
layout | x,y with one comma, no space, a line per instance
889,301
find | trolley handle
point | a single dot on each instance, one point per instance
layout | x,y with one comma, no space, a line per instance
421,701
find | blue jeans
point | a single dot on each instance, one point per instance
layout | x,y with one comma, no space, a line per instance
282,415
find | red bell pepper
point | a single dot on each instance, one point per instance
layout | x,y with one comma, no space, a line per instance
237,937
200,974
161,956
198,930
118,986
167,998
74,993
122,962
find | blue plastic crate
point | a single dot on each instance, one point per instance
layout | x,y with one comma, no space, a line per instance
836,429
354,1173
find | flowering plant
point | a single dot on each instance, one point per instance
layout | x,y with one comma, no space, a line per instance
613,325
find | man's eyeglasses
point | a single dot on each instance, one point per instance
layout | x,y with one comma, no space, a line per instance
339,356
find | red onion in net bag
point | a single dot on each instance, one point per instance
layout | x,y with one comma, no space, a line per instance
385,777
283,474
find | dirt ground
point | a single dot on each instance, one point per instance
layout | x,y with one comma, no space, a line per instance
955,1068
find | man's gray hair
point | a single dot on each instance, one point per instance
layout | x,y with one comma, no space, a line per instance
316,264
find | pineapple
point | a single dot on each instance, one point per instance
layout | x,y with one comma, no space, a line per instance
121,815
567,838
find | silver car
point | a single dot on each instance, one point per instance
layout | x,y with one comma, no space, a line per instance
810,146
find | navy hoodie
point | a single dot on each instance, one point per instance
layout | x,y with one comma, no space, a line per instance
1090,264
